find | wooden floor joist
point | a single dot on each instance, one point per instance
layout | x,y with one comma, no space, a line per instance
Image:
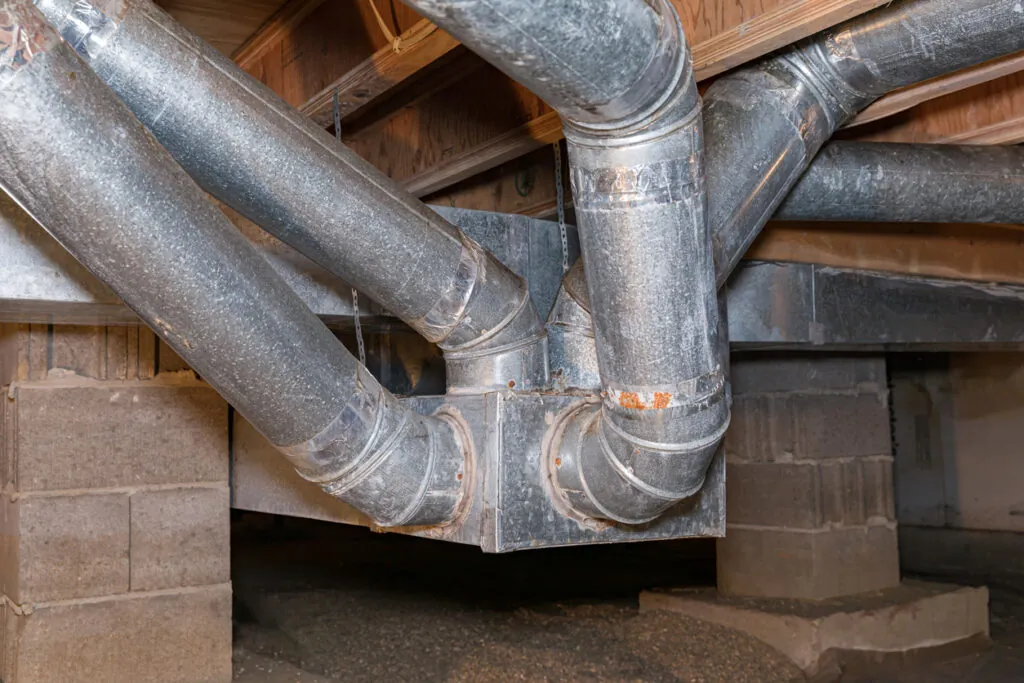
986,253
419,47
224,24
772,30
907,98
990,113
270,34
750,40
545,130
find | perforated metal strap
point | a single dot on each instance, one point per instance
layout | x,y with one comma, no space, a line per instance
560,198
355,293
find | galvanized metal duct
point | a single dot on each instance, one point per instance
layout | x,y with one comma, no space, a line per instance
888,182
74,157
847,181
620,75
764,123
247,147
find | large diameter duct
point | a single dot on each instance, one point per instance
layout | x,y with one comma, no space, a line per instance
766,122
902,183
620,75
76,159
847,181
247,147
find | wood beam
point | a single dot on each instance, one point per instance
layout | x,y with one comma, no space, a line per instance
986,253
224,24
988,113
767,32
774,28
309,43
542,131
907,98
419,47
525,186
271,33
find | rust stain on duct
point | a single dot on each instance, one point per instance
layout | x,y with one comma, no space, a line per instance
629,399
662,399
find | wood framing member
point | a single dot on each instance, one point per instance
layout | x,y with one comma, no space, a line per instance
308,44
525,186
776,28
273,31
986,253
224,24
907,98
418,48
990,113
754,38
545,130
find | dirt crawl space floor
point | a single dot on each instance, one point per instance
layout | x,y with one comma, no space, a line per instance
319,602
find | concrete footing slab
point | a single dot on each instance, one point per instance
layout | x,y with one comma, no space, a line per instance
824,636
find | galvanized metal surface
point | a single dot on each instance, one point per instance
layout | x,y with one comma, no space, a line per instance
772,304
42,283
73,156
640,208
247,147
623,83
772,117
803,305
513,507
592,60
871,181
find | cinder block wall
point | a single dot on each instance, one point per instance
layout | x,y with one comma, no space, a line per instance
114,511
809,478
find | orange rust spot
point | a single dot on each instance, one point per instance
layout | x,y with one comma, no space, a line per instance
628,399
661,399
511,384
459,476
558,462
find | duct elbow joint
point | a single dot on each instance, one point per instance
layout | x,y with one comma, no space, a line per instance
514,355
397,467
634,456
663,95
488,328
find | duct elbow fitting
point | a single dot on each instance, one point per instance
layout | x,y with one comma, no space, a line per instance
397,467
639,190
488,328
573,355
469,303
614,460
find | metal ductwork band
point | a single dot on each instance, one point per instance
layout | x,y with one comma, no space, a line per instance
244,145
73,156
